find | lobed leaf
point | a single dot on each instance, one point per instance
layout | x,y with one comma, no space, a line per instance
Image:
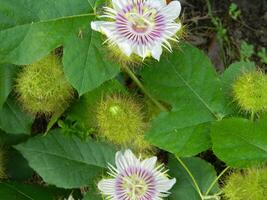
66,161
188,82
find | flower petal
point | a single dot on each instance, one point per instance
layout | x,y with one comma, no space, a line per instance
172,29
149,163
156,51
123,161
107,186
172,10
164,184
156,3
126,48
104,27
120,4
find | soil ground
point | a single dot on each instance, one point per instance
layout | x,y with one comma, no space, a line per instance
250,26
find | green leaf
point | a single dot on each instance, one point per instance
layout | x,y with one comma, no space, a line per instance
7,76
19,191
85,63
240,142
13,119
20,170
184,188
66,161
31,29
93,195
188,82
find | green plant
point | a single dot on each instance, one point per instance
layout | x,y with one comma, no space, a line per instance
234,11
246,51
262,54
2,163
189,115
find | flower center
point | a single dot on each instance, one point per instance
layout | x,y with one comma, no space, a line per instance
142,21
135,187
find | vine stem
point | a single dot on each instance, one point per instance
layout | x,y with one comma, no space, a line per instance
140,85
191,175
216,180
163,108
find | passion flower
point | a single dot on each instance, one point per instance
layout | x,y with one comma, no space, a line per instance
141,27
134,179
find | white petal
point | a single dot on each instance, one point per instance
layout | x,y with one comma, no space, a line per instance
123,161
164,184
172,29
149,163
156,51
156,3
172,10
103,27
126,48
107,186
141,50
120,4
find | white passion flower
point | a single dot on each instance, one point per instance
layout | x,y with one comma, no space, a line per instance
142,27
134,179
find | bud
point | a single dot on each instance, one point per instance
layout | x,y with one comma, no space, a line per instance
249,91
42,87
250,184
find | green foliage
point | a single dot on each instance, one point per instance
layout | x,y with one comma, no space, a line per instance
249,184
56,155
189,107
2,163
42,87
240,142
249,91
18,191
35,33
234,11
246,51
192,88
262,54
13,119
185,189
88,70
7,75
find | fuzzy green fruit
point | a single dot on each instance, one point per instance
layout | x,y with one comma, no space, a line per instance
120,121
249,91
251,184
42,87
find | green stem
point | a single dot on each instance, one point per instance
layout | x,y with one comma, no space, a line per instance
209,8
191,175
140,85
216,180
163,108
